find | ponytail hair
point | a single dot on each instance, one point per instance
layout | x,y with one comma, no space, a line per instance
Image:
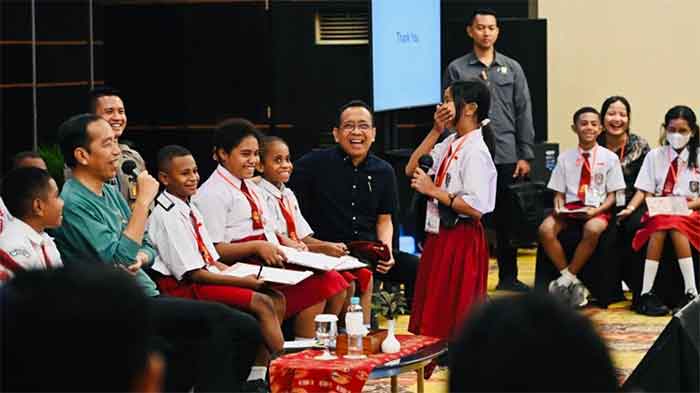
474,90
687,114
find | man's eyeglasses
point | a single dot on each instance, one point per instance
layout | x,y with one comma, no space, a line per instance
350,127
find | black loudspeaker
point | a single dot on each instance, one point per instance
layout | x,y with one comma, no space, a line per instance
671,365
546,155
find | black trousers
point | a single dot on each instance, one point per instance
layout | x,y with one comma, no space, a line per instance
505,253
403,272
206,345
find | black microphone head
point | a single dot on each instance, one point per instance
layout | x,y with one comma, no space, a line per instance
128,167
425,162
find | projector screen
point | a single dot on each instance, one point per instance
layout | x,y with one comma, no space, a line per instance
405,53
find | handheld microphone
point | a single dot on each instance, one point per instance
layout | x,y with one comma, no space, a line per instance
425,162
129,168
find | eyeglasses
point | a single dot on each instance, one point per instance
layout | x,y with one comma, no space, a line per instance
350,127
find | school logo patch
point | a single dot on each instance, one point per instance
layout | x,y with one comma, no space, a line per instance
598,179
694,186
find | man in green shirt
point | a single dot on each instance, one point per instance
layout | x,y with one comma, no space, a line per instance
98,227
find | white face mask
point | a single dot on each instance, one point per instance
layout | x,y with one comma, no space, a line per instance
677,140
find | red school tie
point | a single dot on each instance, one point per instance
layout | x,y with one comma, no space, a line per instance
585,178
203,250
255,211
47,261
670,181
288,219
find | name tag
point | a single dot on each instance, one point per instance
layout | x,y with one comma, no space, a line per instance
432,217
620,198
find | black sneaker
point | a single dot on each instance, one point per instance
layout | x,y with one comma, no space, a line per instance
515,286
650,304
687,298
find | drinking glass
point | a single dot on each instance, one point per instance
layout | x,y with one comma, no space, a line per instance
325,332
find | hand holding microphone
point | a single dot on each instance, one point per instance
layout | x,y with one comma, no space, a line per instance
147,185
425,162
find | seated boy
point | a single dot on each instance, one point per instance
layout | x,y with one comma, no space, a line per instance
188,260
31,196
585,179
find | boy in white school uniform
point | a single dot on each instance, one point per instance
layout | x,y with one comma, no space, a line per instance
32,197
22,159
586,179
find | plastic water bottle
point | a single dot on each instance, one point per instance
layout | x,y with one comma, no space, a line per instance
355,329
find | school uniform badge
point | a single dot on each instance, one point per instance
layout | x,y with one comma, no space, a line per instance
694,186
599,178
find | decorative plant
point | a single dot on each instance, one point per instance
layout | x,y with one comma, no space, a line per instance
389,304
54,162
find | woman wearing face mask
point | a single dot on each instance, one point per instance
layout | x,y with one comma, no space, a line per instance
669,170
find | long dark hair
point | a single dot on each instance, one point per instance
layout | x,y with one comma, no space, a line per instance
687,114
474,90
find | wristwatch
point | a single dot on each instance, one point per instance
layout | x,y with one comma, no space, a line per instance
452,198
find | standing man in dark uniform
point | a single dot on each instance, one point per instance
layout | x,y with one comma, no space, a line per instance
511,121
347,193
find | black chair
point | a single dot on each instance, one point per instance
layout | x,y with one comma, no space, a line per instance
601,274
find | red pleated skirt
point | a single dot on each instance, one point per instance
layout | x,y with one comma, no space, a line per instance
687,225
233,296
312,290
451,278
363,277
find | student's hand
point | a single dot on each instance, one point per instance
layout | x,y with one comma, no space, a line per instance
385,266
271,254
522,168
443,114
422,183
297,245
334,249
133,268
624,213
590,213
147,188
251,282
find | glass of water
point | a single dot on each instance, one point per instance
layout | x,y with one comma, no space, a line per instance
326,331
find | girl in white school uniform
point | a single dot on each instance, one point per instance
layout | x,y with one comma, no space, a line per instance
241,228
454,265
669,170
276,168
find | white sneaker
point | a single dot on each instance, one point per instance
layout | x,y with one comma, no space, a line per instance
559,291
578,295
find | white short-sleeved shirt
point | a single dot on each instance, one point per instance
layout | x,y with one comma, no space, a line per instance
652,175
606,173
471,173
22,245
272,196
5,216
226,210
171,232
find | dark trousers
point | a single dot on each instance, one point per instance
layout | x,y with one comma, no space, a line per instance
206,345
505,253
403,272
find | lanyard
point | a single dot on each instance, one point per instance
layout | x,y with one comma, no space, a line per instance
442,172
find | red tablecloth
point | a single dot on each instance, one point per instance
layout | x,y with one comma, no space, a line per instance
301,373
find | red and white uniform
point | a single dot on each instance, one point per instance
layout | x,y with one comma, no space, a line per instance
288,221
454,266
23,248
176,229
234,211
5,216
665,173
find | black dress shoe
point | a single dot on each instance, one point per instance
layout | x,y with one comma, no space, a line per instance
687,298
650,304
515,286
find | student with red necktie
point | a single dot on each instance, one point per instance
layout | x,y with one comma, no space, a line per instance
669,170
276,168
454,266
585,178
33,200
241,227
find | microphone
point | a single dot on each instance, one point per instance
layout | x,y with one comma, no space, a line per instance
425,162
129,168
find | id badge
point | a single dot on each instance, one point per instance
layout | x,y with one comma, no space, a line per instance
271,237
432,217
620,198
